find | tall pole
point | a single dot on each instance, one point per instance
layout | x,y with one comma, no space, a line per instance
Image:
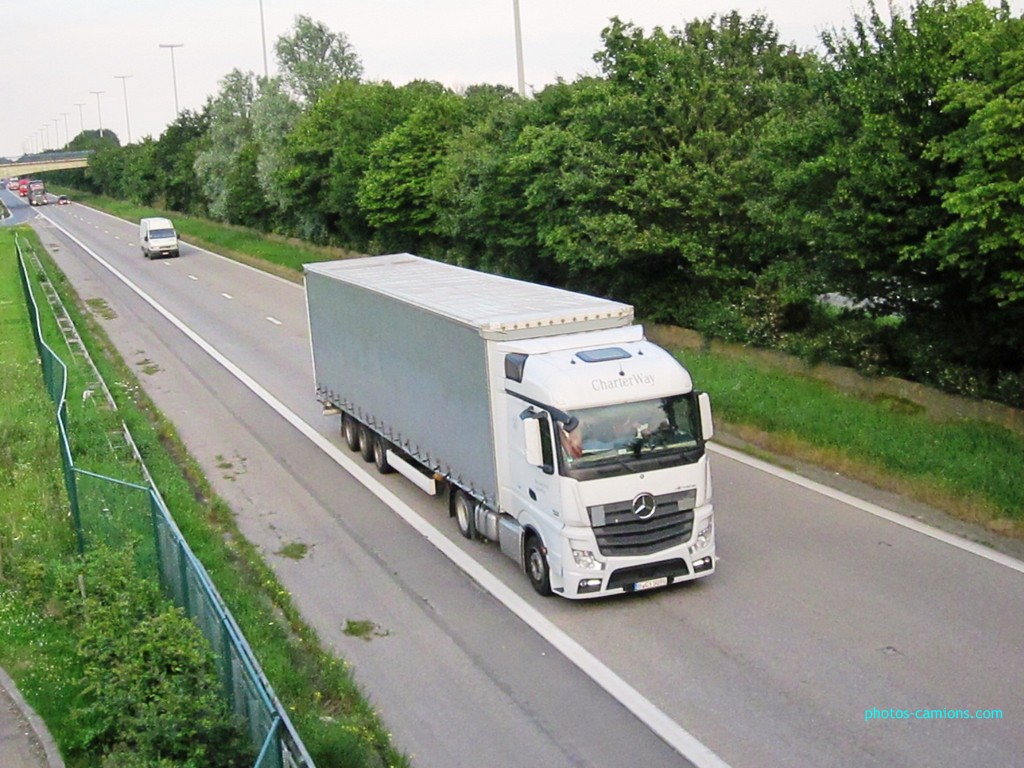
81,118
263,33
174,74
56,133
67,131
46,133
127,121
99,113
519,50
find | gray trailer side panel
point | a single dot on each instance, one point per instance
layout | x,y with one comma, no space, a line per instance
414,376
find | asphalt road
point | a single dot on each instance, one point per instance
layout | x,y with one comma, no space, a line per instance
822,609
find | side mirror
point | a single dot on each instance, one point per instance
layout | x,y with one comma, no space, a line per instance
532,437
707,424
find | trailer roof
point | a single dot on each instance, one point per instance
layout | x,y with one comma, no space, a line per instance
490,303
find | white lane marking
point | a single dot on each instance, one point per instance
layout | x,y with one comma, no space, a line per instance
274,320
192,277
654,718
873,509
227,295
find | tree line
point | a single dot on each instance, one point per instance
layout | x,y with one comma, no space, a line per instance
861,203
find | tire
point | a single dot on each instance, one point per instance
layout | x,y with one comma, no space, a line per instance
366,441
536,561
462,506
380,457
350,431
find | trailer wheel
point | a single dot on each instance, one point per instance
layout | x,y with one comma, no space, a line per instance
537,566
380,455
350,431
366,441
464,517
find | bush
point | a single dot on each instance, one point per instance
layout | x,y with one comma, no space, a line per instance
150,686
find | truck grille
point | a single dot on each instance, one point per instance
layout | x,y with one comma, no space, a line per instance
621,533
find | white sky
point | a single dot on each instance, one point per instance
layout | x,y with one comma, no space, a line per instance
58,51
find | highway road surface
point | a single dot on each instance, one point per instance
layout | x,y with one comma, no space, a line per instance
832,634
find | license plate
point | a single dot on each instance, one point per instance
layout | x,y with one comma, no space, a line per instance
650,584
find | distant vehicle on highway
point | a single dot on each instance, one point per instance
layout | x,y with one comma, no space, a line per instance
63,200
23,188
158,238
12,185
37,193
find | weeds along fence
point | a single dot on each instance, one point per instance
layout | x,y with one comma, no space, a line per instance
117,512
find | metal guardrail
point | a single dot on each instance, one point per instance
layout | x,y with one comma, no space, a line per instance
184,579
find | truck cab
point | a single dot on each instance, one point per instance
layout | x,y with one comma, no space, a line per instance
609,471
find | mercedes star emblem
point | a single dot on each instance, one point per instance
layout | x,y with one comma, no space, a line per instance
644,505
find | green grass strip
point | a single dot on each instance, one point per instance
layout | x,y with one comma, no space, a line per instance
968,459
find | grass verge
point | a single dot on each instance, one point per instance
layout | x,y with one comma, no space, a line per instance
967,468
337,725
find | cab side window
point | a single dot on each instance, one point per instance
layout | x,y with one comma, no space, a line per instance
546,446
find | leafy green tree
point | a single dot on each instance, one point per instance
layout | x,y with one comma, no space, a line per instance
274,115
638,179
481,196
141,179
978,252
230,130
175,156
397,192
105,171
884,83
244,201
313,58
326,155
983,241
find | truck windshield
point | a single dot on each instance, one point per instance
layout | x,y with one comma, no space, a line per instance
632,437
161,234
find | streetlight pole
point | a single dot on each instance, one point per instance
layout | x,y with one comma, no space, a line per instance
127,121
56,134
174,75
519,50
46,133
67,131
99,113
81,118
263,33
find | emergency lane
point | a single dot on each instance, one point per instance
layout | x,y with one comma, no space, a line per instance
819,615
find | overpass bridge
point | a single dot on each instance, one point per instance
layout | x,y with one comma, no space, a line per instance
31,165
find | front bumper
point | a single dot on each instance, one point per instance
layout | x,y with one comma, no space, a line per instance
693,560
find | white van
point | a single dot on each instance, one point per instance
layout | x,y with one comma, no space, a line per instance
158,238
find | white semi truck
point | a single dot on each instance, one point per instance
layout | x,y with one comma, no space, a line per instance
555,428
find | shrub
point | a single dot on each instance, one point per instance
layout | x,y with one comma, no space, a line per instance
150,685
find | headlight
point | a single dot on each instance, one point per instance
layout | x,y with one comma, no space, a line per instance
583,557
704,535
